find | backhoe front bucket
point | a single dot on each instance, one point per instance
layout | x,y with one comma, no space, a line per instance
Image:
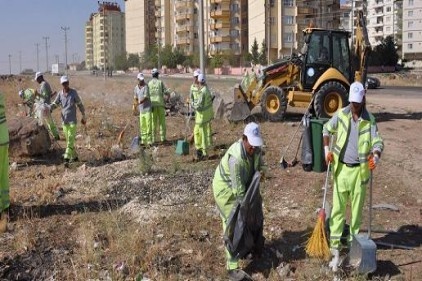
240,110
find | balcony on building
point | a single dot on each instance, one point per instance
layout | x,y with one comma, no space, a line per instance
184,28
376,4
183,4
220,39
219,13
306,11
183,40
220,1
220,25
183,16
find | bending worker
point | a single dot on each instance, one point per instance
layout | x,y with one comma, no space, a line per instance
68,99
4,166
233,179
44,94
28,97
355,152
203,115
157,91
142,96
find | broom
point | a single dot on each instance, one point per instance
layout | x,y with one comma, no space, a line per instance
317,244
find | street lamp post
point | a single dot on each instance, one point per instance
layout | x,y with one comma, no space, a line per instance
46,51
10,64
65,29
38,56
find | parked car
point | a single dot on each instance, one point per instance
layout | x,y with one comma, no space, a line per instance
372,82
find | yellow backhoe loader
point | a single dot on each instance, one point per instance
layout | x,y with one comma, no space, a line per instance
318,79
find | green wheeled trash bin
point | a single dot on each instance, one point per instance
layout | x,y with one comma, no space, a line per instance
318,155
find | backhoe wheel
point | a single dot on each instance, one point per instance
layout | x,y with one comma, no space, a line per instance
273,103
331,97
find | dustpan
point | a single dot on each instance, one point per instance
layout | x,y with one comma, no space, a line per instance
363,251
182,146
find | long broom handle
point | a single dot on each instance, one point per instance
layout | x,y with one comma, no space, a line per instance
326,185
326,177
370,206
298,127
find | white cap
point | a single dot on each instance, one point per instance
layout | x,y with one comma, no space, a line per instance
253,134
38,74
21,93
201,78
154,71
196,73
64,79
356,92
140,76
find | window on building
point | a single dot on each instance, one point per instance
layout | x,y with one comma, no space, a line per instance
388,9
288,38
388,29
288,19
388,19
272,20
410,13
410,46
410,35
195,35
234,32
235,20
410,2
234,7
410,24
288,3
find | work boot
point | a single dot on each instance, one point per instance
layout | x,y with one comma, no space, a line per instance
199,155
3,221
238,275
335,261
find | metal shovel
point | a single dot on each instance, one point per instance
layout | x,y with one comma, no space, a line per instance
363,252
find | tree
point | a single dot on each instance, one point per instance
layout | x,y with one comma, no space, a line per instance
133,60
217,61
254,54
384,53
121,62
263,53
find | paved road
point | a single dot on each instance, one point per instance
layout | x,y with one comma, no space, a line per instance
397,91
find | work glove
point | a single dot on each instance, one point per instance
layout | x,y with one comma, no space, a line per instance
329,156
373,161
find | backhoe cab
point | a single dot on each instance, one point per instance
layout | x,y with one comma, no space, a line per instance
318,79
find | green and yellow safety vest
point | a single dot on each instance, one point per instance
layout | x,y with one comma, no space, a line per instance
156,92
367,125
4,133
239,178
204,111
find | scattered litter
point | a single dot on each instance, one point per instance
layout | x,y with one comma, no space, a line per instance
386,206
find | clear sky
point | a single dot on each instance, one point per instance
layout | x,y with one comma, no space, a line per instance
24,23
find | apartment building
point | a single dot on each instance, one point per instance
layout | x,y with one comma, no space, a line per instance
383,19
412,30
104,36
280,23
186,26
140,25
228,27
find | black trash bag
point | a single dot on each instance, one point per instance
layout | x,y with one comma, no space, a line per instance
244,230
307,153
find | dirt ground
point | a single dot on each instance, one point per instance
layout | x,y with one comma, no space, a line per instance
119,214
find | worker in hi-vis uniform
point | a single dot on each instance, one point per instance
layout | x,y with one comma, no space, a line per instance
355,152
